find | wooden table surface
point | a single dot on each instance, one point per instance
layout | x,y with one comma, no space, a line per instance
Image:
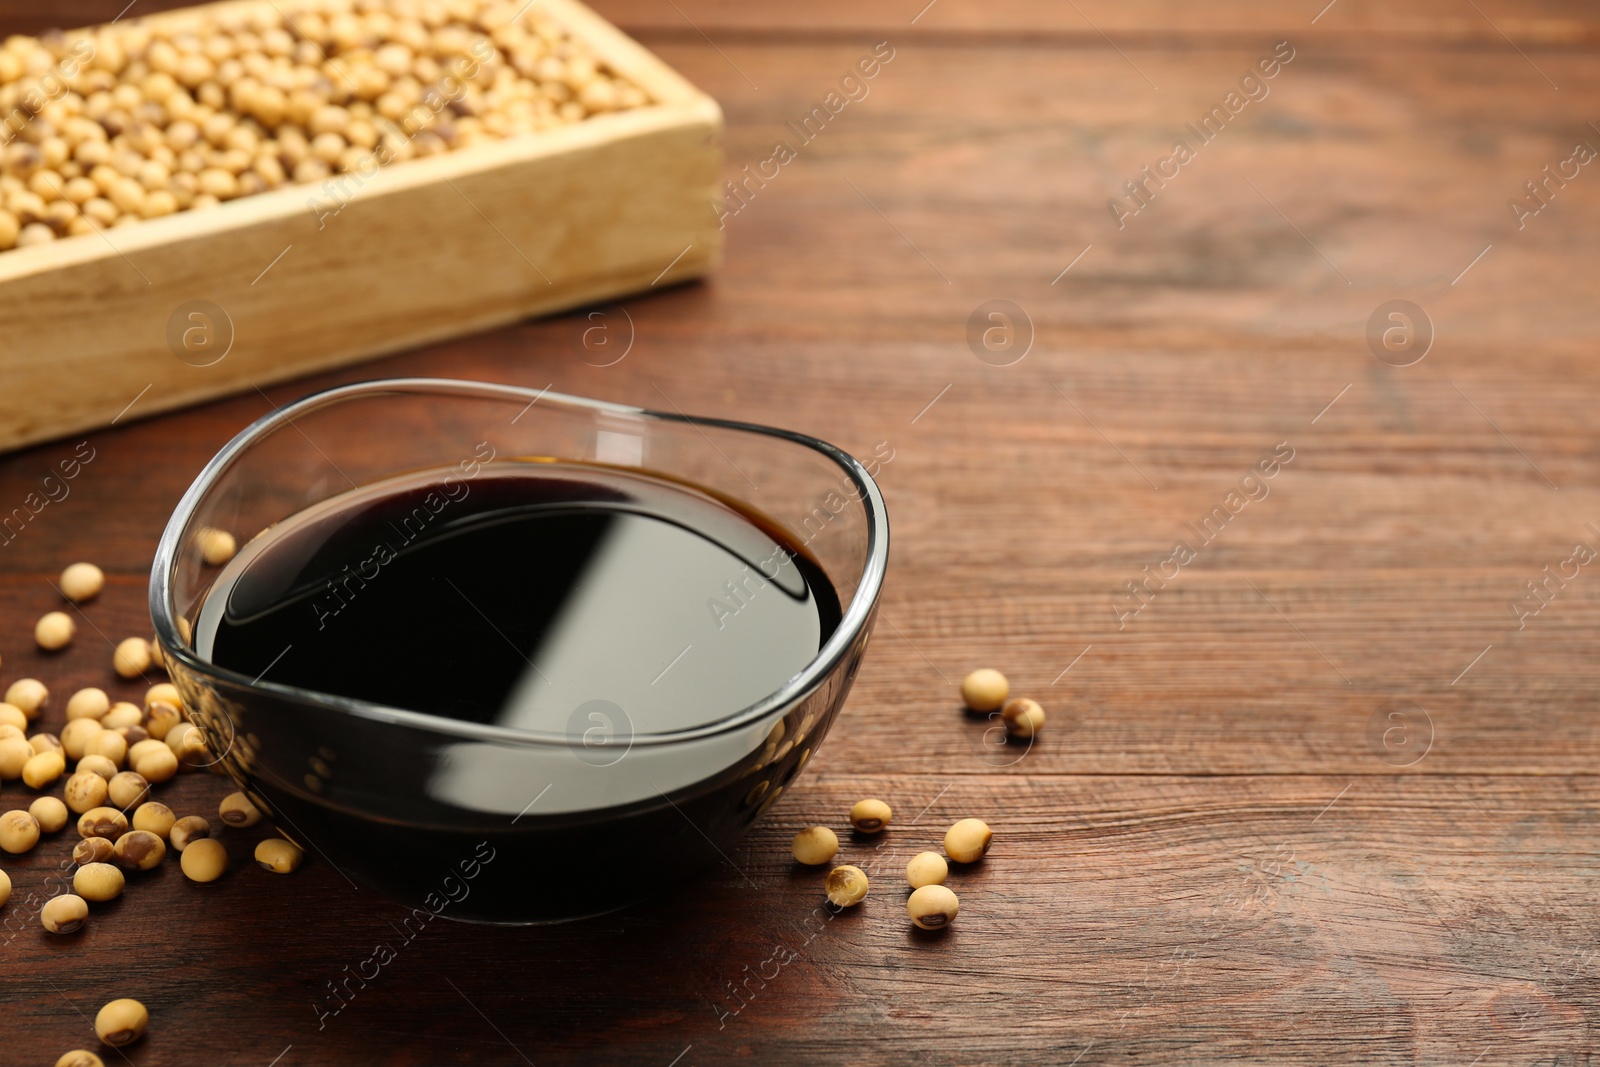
1329,796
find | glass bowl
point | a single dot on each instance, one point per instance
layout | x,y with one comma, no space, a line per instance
484,822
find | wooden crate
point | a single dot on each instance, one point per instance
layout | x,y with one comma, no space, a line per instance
108,327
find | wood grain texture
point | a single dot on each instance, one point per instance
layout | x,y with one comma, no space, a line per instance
1220,850
1552,23
1099,23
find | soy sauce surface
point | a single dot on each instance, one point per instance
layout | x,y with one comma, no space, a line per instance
522,597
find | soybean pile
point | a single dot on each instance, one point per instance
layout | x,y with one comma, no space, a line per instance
111,125
121,753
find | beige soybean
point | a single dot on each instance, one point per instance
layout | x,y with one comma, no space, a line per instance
139,850
1022,717
50,813
54,631
186,741
93,850
162,693
847,886
10,715
122,713
108,823
81,581
236,810
815,845
98,882
35,233
155,817
19,831
933,907
79,1057
187,830
985,689
5,888
131,658
218,546
43,768
100,211
968,840
128,789
121,1022
100,765
926,868
29,695
46,742
76,735
64,914
157,764
108,743
15,752
162,717
278,855
85,790
870,816
138,750
197,756
88,704
204,860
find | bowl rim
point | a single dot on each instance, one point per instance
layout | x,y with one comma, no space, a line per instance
853,623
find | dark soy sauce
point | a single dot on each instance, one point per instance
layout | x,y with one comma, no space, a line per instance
526,598
565,600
